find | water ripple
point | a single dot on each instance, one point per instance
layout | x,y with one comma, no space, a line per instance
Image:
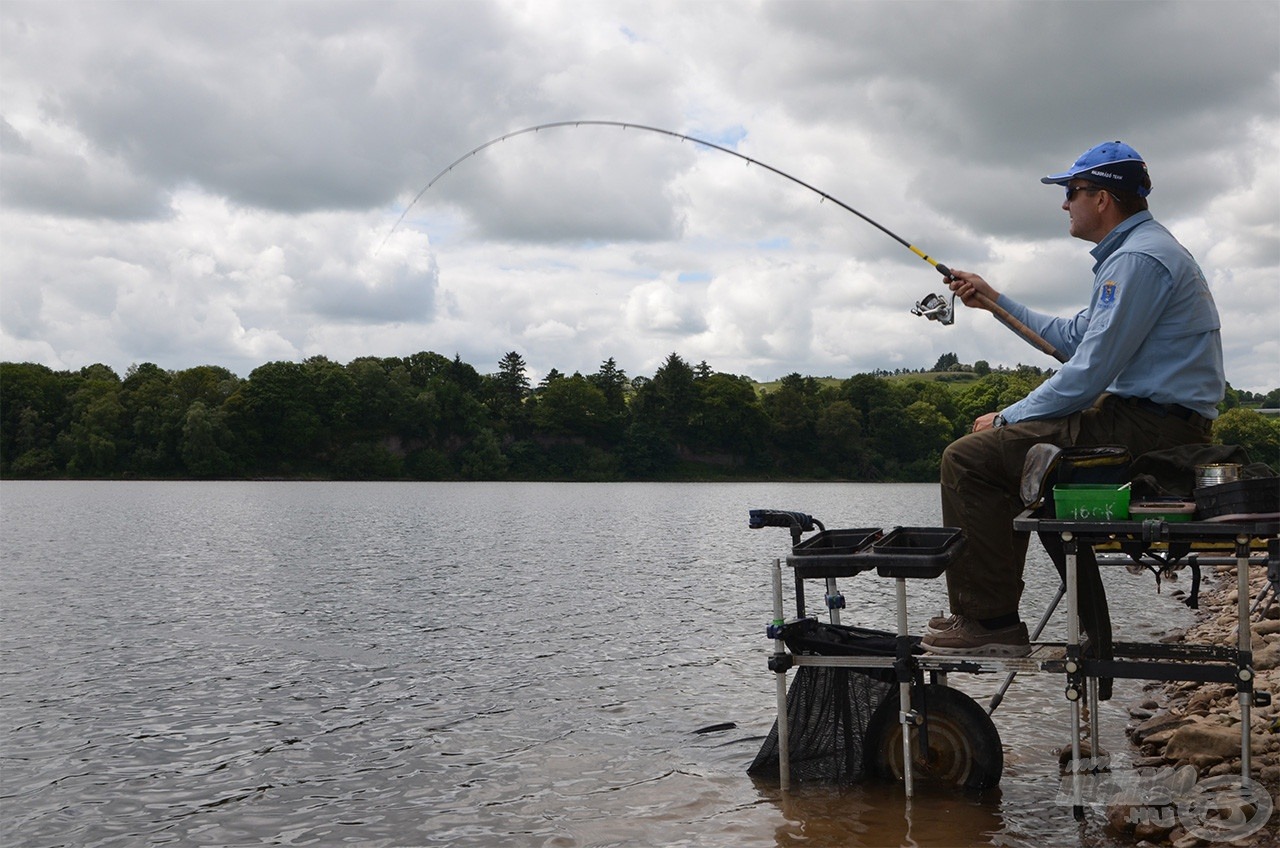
313,664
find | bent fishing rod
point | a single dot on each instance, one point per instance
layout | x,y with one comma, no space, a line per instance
933,307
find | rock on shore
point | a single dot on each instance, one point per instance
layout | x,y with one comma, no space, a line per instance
1189,732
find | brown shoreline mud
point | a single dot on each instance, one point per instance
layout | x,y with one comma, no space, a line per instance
1187,734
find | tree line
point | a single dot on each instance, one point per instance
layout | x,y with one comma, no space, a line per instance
429,417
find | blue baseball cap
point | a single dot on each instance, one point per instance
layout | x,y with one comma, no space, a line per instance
1112,164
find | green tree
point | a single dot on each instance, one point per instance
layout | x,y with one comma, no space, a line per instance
935,394
512,376
506,392
92,441
154,419
879,412
729,418
925,432
422,367
453,415
333,398
571,406
612,381
1257,434
839,429
993,392
275,414
483,458
367,461
866,393
381,389
946,362
34,408
647,450
439,409
204,440
1230,398
665,404
209,384
613,384
793,409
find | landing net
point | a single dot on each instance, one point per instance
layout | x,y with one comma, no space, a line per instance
828,710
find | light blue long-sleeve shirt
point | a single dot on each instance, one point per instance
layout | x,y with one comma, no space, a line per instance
1151,330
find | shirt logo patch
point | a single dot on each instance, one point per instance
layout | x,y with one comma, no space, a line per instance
1108,295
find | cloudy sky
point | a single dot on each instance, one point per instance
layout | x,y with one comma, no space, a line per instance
219,183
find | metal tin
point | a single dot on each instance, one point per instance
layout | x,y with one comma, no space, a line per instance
1216,474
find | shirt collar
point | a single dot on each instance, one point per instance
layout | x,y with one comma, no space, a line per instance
1116,237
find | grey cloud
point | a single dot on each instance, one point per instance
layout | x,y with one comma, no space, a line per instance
400,296
12,141
576,184
43,178
287,107
20,317
1027,86
1045,66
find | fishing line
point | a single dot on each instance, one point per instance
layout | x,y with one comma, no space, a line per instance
933,307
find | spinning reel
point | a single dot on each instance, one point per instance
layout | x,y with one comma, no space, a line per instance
935,308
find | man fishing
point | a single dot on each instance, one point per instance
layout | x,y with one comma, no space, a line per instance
1144,370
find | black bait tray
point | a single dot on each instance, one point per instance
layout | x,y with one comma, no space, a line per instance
1255,496
923,552
834,553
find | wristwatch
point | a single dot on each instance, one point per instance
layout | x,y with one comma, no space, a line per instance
998,421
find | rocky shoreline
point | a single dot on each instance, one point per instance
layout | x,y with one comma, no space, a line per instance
1187,735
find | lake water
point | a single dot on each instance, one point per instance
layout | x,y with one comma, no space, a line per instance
458,664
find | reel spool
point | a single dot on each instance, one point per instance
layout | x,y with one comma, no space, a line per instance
935,308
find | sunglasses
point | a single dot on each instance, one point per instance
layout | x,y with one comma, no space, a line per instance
1071,190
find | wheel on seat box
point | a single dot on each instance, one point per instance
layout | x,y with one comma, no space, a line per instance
964,746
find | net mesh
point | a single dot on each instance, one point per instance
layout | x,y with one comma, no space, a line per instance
828,710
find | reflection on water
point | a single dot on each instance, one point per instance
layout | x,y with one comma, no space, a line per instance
453,664
877,814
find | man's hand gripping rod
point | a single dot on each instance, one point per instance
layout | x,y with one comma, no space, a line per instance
935,308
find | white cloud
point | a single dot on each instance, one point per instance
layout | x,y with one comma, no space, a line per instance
664,308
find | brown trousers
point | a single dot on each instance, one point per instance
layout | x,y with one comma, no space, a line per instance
980,477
